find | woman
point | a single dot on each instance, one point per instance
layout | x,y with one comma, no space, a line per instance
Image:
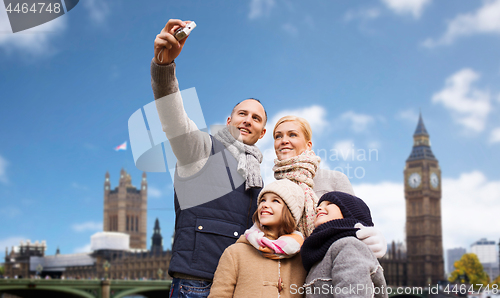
297,162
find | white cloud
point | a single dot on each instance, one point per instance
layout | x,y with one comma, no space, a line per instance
3,170
309,22
87,226
290,29
495,135
409,115
260,8
387,205
470,206
362,14
78,186
343,150
485,20
470,209
469,106
404,7
98,10
82,249
35,41
154,192
359,122
11,241
10,212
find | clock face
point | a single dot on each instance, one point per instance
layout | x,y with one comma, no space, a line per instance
414,180
434,180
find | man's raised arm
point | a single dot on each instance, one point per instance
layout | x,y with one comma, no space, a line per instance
190,146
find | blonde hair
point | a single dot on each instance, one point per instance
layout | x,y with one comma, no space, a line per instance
304,125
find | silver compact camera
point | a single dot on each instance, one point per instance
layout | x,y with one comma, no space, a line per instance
182,32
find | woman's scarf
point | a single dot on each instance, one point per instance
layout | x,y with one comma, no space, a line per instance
301,170
318,243
285,246
249,157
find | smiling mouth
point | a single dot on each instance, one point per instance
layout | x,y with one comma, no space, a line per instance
266,213
286,149
244,130
320,214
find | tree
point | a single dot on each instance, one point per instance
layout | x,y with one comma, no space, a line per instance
496,281
1,270
469,270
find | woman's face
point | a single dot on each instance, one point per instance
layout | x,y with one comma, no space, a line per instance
289,140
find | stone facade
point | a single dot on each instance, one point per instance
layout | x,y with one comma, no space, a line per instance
125,209
422,262
124,265
17,261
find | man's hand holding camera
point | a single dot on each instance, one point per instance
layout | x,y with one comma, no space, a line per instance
166,46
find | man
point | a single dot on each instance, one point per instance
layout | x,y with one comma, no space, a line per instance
227,164
225,168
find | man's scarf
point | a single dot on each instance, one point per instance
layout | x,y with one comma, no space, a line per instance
249,157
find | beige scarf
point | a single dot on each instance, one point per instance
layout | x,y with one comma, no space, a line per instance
301,170
249,157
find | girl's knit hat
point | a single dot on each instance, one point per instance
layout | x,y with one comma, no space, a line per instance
350,206
290,193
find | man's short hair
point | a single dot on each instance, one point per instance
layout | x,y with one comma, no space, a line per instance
265,112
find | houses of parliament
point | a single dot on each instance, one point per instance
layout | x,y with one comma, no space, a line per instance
122,244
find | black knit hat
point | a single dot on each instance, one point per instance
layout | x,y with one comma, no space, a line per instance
350,206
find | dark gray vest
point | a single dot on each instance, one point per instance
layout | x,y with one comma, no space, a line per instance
212,210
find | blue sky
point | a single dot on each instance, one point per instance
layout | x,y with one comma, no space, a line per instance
359,71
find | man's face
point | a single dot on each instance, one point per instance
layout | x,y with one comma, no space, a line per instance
248,119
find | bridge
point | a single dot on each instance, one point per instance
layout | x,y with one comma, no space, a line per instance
57,288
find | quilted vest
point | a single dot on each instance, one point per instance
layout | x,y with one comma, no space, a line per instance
204,230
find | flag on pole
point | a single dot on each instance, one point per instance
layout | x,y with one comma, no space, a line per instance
121,147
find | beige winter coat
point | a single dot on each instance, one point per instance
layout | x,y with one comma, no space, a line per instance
243,272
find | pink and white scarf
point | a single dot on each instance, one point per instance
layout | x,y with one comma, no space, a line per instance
285,246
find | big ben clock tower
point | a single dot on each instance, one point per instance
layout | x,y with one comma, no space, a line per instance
423,212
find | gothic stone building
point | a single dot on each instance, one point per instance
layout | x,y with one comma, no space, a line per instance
125,209
422,262
133,264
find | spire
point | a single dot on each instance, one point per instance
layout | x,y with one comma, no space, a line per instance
157,239
420,127
58,252
421,143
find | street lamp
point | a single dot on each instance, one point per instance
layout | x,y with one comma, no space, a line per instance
106,266
39,270
160,273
